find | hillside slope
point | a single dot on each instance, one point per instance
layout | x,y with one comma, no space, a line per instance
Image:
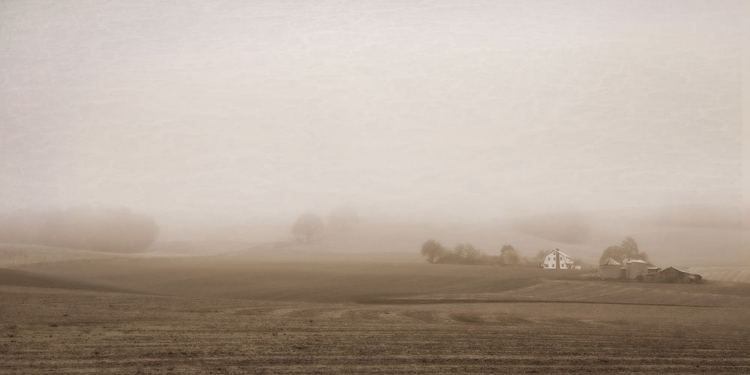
18,255
29,279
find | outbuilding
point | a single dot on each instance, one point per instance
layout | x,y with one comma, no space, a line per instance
610,269
672,275
635,268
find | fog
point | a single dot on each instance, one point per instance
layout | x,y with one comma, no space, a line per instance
438,111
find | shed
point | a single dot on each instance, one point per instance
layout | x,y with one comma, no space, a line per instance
610,269
635,268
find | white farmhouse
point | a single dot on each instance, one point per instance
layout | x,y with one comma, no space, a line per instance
557,260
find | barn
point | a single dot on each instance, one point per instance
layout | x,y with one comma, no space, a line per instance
610,269
557,260
672,275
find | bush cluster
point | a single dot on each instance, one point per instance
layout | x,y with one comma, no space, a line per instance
435,252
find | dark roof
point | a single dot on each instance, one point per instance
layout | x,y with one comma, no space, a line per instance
680,271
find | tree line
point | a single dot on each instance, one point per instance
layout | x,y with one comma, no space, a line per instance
116,230
435,252
627,250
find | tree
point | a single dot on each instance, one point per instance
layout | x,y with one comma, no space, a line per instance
342,219
433,251
308,226
467,253
540,255
509,256
629,247
627,250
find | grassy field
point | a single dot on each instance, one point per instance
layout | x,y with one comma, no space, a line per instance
309,278
316,313
19,255
729,274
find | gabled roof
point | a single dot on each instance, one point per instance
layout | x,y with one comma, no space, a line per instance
610,262
561,253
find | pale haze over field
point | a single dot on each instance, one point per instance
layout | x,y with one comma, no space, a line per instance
454,109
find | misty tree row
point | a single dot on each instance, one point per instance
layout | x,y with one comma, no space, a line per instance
101,229
435,252
310,225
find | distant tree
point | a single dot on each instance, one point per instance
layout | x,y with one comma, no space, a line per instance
433,251
467,253
627,250
308,226
343,219
615,252
630,248
537,259
509,256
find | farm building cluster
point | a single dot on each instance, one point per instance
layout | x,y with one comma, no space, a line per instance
639,270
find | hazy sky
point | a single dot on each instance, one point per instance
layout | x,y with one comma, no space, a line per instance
270,108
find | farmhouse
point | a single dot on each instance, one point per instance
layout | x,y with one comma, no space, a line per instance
557,260
671,275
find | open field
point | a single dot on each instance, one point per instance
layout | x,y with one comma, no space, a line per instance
62,331
729,274
324,278
22,255
327,313
604,292
19,255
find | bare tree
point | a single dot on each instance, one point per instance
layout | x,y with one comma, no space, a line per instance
627,250
308,226
509,256
467,253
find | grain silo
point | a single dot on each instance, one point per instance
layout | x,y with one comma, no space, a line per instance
635,268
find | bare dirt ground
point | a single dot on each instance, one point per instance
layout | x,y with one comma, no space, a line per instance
236,316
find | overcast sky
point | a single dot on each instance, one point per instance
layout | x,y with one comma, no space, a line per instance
458,108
